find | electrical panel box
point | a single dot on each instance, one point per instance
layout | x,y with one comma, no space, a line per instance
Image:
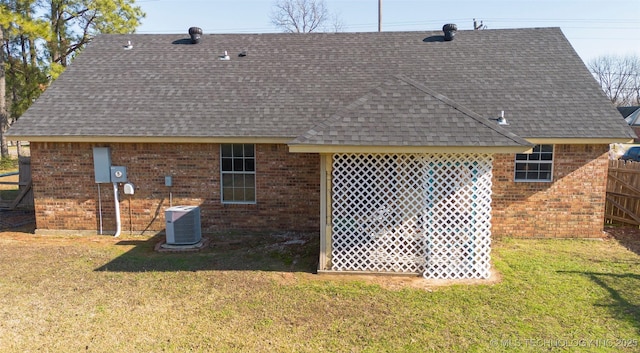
102,164
118,174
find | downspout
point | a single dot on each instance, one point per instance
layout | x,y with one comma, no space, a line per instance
117,208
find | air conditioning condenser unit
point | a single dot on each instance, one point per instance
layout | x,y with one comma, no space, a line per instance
183,225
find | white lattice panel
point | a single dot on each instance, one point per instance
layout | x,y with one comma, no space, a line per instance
427,213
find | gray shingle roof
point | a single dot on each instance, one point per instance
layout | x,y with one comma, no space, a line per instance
289,83
630,114
626,111
402,112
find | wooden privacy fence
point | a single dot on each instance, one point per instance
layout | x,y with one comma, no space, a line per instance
623,193
24,198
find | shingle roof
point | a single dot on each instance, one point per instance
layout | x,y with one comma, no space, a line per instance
289,83
630,114
626,111
402,112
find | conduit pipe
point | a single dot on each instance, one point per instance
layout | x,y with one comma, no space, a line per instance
100,207
117,207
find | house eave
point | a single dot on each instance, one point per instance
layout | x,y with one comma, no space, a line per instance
308,148
305,148
578,141
151,139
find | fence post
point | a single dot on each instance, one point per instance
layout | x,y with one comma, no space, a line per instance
24,179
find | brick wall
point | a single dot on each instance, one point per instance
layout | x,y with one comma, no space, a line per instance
288,190
66,196
572,206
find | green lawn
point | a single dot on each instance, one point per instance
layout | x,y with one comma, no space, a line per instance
99,294
8,191
8,164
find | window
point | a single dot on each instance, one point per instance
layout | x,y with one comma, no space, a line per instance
238,173
535,166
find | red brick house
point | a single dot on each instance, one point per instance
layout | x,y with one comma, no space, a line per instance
405,152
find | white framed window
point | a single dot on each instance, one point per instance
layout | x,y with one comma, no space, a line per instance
238,173
536,166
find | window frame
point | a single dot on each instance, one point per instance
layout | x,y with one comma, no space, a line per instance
535,158
243,161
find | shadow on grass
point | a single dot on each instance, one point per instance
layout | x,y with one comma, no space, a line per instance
14,219
623,289
284,252
629,237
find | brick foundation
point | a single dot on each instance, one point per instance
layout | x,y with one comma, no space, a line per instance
572,206
66,195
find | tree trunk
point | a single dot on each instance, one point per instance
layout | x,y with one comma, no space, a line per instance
57,37
20,150
4,117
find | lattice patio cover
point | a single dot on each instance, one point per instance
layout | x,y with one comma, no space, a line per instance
412,213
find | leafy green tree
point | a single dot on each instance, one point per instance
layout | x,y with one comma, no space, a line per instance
75,22
41,37
21,78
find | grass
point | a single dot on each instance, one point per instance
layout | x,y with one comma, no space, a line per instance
8,164
255,293
7,191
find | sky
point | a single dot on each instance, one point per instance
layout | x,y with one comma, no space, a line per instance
594,28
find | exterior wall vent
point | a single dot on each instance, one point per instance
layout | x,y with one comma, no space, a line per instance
195,33
449,30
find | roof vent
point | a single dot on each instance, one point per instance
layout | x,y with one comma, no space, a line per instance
449,30
195,33
501,119
225,56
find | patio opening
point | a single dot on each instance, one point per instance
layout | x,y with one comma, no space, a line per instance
412,213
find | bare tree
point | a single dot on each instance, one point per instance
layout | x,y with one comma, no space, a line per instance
619,77
336,25
301,16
